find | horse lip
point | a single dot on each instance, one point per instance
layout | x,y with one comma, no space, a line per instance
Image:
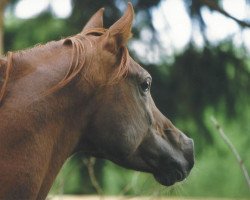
170,178
166,181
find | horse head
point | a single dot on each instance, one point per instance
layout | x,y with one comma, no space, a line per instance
124,124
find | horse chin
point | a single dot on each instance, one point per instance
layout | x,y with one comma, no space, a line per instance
169,179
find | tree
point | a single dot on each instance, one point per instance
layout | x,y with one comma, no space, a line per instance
3,3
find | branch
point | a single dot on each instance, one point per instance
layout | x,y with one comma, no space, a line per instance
213,5
232,148
90,163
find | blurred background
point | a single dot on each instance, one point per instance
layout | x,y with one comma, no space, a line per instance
197,52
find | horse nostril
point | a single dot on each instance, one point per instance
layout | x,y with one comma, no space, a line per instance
179,175
185,144
189,154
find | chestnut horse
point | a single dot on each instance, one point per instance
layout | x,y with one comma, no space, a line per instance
82,93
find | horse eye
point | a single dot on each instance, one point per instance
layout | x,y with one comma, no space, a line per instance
145,86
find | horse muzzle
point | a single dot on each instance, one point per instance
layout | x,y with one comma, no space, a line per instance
178,167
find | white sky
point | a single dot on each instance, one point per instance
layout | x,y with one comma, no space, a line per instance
28,8
169,18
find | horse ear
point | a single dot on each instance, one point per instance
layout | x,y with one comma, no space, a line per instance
96,21
119,33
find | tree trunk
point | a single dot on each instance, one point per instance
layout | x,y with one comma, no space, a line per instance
3,3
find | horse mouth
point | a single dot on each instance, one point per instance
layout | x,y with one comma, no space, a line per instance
170,178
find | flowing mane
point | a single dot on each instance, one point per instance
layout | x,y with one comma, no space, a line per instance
78,62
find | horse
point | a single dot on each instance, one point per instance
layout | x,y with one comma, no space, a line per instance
83,93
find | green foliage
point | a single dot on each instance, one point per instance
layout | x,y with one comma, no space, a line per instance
217,172
213,76
74,177
18,35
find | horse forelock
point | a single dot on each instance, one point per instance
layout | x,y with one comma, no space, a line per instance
119,72
80,53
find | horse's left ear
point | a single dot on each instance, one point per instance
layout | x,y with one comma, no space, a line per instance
119,33
96,21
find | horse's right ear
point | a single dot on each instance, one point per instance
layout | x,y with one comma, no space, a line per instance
96,21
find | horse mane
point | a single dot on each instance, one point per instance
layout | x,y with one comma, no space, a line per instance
78,63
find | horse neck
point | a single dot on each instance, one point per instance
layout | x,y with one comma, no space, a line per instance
50,60
55,123
64,114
